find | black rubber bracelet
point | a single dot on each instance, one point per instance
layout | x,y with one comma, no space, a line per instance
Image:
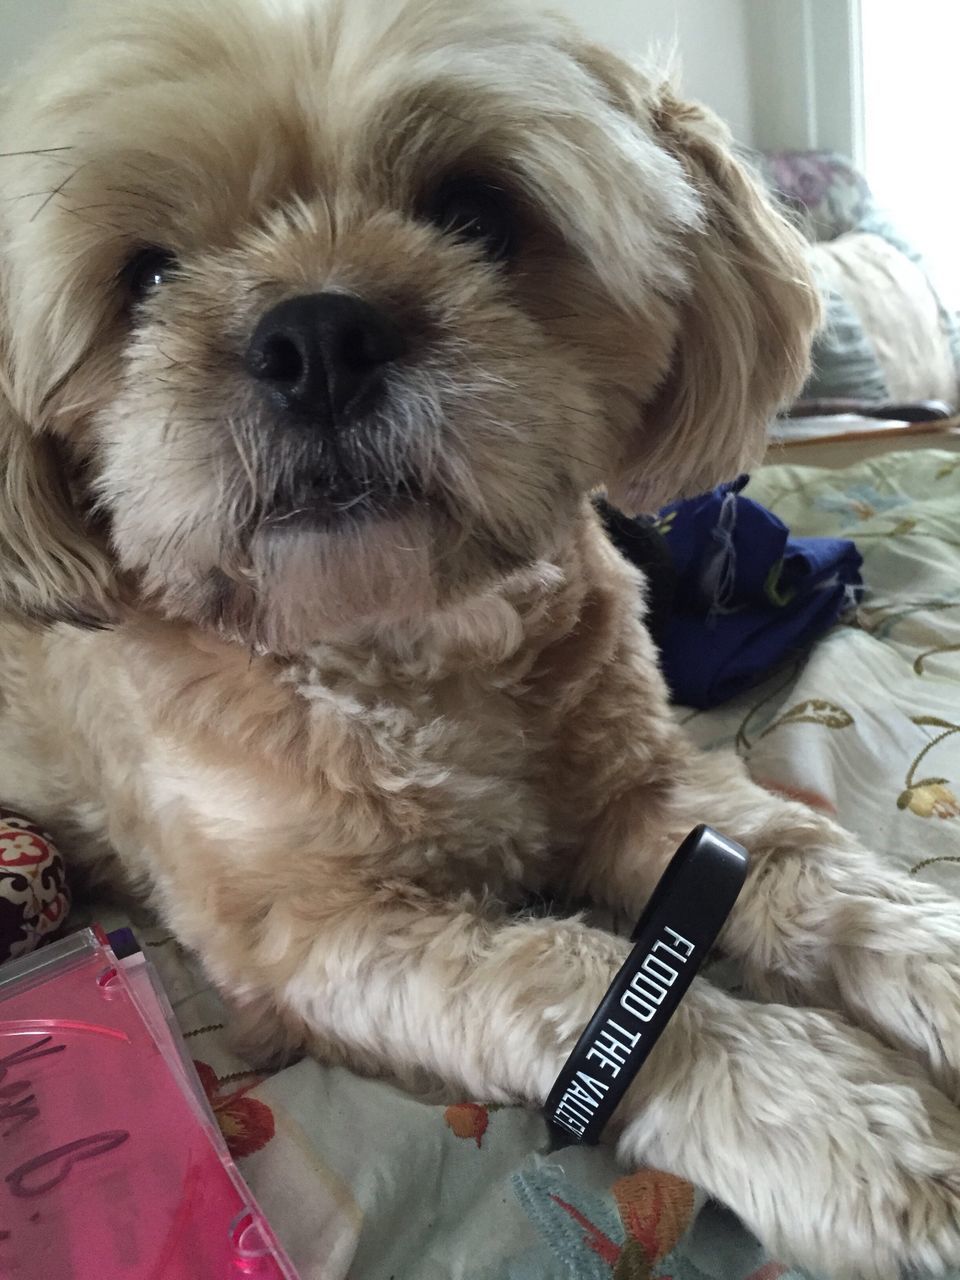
673,937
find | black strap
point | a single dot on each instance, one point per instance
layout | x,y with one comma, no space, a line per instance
673,936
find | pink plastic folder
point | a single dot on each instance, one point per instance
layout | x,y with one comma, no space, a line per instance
111,1164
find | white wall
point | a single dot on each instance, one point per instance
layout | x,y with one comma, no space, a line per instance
805,70
783,73
23,24
710,35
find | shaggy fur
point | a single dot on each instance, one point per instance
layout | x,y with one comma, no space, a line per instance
337,742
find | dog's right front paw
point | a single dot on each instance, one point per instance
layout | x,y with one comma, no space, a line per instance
837,1152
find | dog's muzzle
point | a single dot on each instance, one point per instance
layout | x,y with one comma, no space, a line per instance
321,360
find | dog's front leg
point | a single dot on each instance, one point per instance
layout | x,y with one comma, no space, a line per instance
833,1149
820,920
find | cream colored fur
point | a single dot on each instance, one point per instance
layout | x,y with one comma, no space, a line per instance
336,760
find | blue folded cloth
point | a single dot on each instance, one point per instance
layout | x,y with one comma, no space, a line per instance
745,593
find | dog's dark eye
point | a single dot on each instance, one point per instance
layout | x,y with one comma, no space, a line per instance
478,211
147,270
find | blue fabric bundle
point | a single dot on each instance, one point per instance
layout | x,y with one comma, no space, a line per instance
745,593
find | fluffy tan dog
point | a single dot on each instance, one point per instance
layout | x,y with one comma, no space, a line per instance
318,322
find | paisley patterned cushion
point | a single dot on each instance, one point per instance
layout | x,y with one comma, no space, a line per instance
34,900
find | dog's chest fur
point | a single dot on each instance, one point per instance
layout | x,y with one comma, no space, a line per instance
448,780
480,766
468,765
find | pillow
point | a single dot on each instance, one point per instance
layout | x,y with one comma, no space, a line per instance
885,324
34,899
845,363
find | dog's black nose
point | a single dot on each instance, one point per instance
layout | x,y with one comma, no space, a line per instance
324,354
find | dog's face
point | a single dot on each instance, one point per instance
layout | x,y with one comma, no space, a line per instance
318,313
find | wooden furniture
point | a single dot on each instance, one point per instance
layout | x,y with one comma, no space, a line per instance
840,440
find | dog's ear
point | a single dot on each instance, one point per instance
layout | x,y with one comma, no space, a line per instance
745,326
51,568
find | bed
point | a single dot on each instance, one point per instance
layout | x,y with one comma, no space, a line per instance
363,1181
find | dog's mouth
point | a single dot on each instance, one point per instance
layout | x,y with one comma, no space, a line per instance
329,502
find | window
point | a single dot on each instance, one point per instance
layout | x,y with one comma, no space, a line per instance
910,114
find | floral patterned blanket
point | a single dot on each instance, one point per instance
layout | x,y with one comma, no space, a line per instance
363,1182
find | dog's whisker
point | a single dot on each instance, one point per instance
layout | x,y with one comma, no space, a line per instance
26,195
59,189
98,226
236,435
148,198
33,151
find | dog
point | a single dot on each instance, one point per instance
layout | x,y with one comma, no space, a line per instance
320,323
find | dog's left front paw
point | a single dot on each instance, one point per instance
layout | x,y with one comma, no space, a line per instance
913,1004
898,971
835,1151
